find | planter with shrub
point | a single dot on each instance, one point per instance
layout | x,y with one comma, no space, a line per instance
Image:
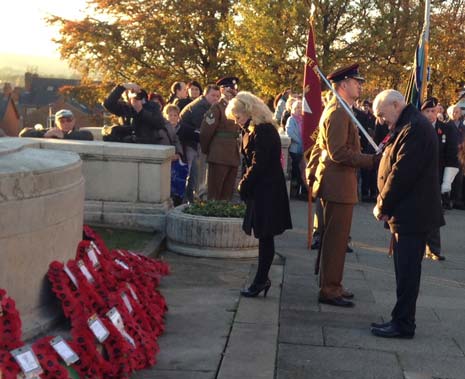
209,229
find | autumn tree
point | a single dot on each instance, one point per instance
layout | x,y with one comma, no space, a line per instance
153,42
447,49
385,41
269,38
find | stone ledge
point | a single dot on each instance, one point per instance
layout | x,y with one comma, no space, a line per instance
133,216
98,150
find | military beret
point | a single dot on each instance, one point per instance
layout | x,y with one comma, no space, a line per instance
345,73
430,102
229,81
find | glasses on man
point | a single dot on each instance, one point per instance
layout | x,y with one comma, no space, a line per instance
66,119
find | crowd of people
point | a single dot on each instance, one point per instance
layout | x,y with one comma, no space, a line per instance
418,176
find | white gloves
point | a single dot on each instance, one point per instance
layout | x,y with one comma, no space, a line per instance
448,178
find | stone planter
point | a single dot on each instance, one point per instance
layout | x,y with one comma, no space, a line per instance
212,237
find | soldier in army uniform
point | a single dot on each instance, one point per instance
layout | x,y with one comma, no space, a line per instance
219,141
332,176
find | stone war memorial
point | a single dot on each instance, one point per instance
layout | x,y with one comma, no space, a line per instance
48,190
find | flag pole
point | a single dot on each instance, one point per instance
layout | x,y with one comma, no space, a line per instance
426,50
349,111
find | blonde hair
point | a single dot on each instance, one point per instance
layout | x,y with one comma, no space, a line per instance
295,105
168,108
251,106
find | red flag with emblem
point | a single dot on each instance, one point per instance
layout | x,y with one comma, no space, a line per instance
311,102
311,110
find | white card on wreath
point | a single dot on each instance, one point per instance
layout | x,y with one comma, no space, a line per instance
98,328
27,361
127,303
65,351
93,258
71,276
85,271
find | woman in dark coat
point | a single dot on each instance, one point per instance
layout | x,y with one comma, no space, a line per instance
263,186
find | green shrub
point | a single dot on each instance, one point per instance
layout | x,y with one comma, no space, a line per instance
216,208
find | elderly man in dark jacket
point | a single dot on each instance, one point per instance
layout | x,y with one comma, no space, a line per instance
141,117
409,201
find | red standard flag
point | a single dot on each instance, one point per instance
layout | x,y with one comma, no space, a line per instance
311,110
311,102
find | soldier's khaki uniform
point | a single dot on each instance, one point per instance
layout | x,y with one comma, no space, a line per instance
219,141
333,163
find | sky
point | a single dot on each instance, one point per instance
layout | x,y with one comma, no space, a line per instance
23,29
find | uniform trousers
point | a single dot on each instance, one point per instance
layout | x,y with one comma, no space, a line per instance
457,189
221,181
265,259
408,253
192,183
337,221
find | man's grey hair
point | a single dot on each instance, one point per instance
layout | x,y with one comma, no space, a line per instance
450,110
388,96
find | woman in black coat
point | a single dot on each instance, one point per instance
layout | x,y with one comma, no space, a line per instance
263,186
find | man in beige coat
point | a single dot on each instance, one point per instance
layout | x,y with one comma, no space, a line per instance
332,175
219,141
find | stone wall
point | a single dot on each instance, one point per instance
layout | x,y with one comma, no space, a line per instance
41,217
127,185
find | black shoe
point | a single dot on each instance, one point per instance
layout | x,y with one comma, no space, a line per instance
383,325
347,294
337,302
391,331
349,249
255,289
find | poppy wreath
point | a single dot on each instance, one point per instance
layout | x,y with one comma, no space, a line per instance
104,282
49,360
151,267
145,298
71,298
142,318
153,303
84,366
91,235
143,279
93,298
10,323
8,366
117,364
139,329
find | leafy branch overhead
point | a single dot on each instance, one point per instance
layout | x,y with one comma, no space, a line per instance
156,42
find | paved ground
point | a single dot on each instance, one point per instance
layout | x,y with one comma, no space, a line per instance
213,333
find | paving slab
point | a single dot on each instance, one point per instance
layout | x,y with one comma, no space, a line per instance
425,342
425,367
310,362
202,298
251,348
